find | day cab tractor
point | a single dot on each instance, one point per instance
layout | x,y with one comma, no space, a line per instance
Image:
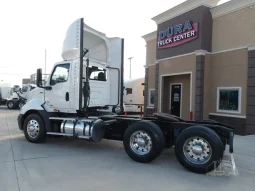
19,96
79,96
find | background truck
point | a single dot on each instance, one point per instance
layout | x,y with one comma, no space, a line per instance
133,98
5,92
19,96
81,91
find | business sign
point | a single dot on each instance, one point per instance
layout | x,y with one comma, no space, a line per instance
178,34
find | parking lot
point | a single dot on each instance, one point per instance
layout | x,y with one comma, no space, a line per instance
65,164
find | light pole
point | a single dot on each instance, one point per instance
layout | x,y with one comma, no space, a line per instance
130,67
45,60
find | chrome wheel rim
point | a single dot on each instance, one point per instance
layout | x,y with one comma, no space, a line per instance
140,142
21,105
33,128
10,104
197,150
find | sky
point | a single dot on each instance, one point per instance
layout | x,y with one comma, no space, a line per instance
28,27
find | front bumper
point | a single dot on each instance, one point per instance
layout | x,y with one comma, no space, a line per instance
20,121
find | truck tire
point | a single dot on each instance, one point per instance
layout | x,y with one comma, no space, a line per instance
21,105
34,129
199,149
143,141
10,104
209,121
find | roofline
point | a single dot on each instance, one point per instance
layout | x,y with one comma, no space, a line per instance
150,36
230,6
216,10
182,8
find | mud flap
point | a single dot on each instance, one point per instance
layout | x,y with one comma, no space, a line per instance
233,164
231,151
227,167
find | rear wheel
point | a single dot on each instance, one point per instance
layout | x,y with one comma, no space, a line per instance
199,149
21,104
10,104
209,121
143,141
34,129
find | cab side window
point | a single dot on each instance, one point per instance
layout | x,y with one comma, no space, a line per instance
128,91
97,74
60,74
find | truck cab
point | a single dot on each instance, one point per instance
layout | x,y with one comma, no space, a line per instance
19,95
133,98
88,55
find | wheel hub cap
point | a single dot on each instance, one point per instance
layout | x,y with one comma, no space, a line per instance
197,150
33,128
140,142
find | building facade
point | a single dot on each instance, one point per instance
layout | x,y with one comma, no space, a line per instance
33,78
25,81
200,63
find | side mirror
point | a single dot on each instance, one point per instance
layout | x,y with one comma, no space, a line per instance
39,77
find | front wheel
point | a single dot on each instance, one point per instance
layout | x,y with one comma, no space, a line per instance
143,141
199,149
34,129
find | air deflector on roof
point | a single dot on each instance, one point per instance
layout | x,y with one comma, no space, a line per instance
93,40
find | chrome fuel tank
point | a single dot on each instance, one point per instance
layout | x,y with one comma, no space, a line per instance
92,129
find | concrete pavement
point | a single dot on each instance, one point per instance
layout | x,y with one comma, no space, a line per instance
65,164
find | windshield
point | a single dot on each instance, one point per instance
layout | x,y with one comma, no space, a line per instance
24,89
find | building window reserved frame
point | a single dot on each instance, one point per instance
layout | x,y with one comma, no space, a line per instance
229,99
151,97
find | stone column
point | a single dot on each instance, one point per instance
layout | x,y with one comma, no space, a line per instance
156,87
250,108
146,91
199,92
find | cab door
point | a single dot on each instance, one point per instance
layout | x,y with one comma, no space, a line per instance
57,95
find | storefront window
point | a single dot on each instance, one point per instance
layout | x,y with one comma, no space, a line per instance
151,97
229,100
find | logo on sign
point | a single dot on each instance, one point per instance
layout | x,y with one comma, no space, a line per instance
178,34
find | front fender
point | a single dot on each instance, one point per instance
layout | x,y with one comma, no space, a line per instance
33,104
39,107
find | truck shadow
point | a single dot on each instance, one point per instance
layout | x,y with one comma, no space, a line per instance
108,157
65,146
109,150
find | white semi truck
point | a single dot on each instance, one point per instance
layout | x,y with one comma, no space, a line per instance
19,96
5,93
78,97
133,98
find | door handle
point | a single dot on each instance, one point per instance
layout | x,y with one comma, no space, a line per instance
67,96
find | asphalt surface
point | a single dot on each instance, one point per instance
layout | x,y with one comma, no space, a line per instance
65,164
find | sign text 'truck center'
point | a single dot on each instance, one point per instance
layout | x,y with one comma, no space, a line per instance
178,34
